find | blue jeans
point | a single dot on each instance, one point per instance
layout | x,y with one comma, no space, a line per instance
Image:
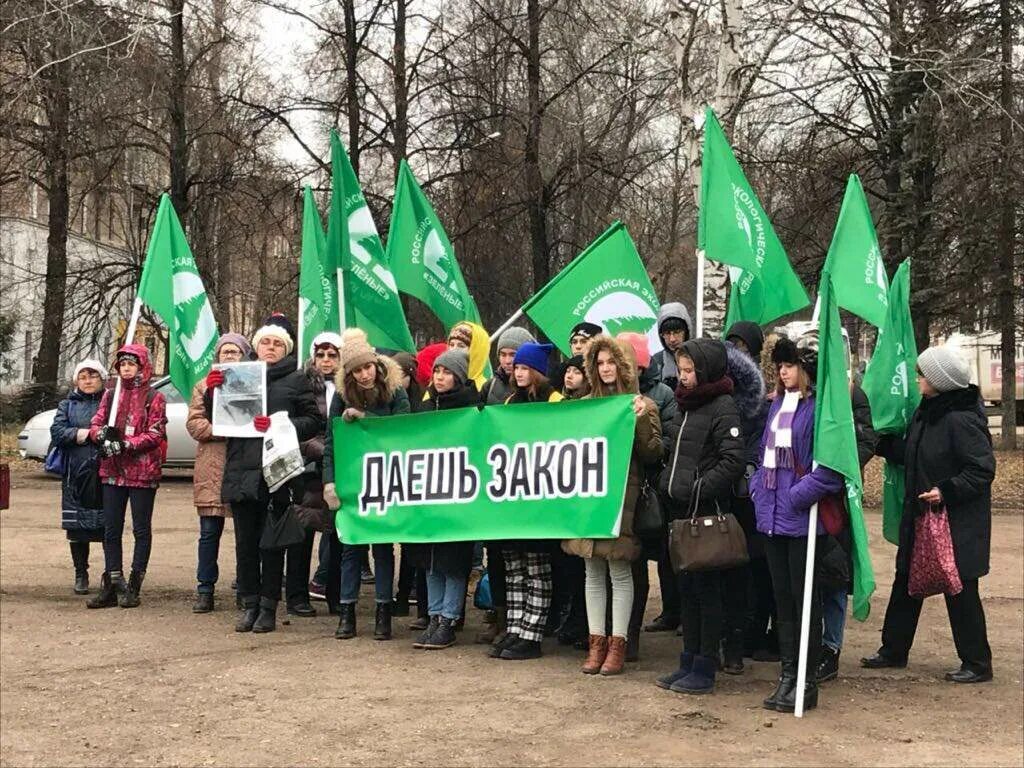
383,572
210,530
833,613
445,594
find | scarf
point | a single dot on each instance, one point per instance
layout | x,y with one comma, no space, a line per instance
689,399
778,449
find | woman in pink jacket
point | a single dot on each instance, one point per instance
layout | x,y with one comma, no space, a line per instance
133,450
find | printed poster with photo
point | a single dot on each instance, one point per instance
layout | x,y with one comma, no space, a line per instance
241,398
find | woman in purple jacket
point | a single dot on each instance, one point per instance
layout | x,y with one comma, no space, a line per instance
783,489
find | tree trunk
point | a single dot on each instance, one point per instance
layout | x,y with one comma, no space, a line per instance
400,131
1007,214
58,107
891,150
351,83
534,179
176,110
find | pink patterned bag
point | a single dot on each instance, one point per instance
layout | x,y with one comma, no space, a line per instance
933,568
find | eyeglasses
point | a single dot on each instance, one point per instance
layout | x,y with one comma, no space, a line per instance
92,375
328,354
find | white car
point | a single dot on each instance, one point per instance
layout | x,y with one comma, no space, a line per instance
34,438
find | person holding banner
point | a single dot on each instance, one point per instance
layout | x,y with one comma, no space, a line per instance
367,385
698,480
133,450
259,572
447,565
81,492
784,488
612,371
528,576
209,472
950,465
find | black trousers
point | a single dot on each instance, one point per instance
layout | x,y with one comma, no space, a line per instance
736,589
115,505
332,585
298,559
787,558
80,556
496,577
668,580
702,612
258,572
966,619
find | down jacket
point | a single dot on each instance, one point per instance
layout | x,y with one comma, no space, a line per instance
142,424
647,449
210,455
707,444
948,447
81,495
287,390
783,510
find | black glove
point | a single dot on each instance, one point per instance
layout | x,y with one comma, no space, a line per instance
108,433
111,447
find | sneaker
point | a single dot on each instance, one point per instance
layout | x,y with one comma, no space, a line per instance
828,666
317,591
443,636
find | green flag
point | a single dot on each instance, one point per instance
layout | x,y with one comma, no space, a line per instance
316,285
855,261
891,387
607,284
371,296
422,258
172,288
733,228
835,441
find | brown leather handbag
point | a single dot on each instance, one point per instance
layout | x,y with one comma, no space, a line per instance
709,543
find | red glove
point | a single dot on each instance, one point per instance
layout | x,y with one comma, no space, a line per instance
262,423
214,379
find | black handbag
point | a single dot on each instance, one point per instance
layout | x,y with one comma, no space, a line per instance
282,531
649,514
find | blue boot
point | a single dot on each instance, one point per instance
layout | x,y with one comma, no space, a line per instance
685,665
701,678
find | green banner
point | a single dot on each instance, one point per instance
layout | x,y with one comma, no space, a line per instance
530,471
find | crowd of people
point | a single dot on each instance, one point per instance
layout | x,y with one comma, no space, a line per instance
719,426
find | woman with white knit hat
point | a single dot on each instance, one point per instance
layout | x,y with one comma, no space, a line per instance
947,453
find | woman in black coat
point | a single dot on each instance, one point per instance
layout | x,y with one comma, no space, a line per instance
947,454
259,572
81,494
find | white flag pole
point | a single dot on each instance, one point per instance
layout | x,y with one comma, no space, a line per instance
341,299
817,310
299,354
805,615
506,325
129,338
700,294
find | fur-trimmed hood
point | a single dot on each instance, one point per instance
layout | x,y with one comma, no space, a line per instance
622,353
748,389
387,369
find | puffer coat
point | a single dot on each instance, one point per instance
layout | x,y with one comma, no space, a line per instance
81,495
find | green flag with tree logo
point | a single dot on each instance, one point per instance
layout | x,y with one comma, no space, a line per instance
891,386
733,228
855,260
370,295
172,288
316,284
422,258
606,284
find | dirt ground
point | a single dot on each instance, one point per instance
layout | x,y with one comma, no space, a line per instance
160,686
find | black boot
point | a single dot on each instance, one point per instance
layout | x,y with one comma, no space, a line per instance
80,558
787,703
732,652
267,619
203,603
250,610
382,622
107,597
82,583
442,637
787,677
129,596
828,667
346,621
302,609
522,650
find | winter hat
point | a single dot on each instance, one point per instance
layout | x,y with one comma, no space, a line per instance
944,368
355,354
534,355
749,333
513,338
279,319
89,364
586,330
326,339
350,334
456,361
461,332
807,352
425,361
576,361
276,331
125,354
785,351
233,338
641,350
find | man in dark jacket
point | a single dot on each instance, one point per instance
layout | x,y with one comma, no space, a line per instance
674,327
259,572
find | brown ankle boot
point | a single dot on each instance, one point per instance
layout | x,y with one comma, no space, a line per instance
595,656
490,634
616,656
